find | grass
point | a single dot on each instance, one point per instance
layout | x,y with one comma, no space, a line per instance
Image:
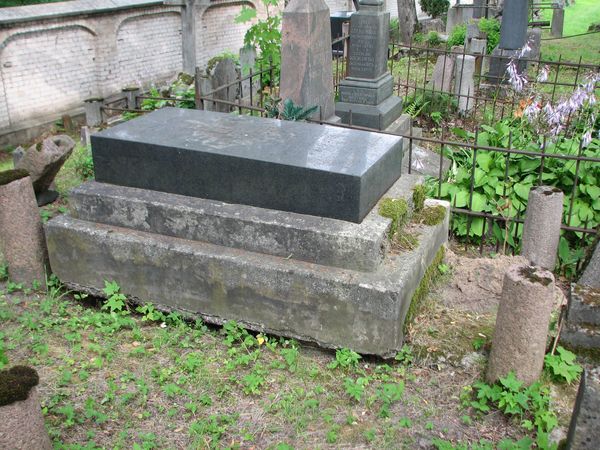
578,17
125,380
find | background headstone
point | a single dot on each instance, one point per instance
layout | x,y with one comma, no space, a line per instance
441,80
558,19
366,95
306,66
519,342
225,73
513,31
464,82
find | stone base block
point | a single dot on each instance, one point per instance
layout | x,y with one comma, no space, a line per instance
320,240
366,92
584,430
378,117
333,307
584,305
581,336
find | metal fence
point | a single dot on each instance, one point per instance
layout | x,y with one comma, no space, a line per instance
496,225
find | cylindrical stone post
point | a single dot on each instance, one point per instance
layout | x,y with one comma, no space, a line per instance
131,94
23,243
93,111
519,343
541,232
21,421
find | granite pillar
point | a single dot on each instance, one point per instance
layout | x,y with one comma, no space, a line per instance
366,95
23,243
93,111
306,70
541,232
519,343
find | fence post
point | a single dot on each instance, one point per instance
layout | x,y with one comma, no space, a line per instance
93,111
131,94
197,89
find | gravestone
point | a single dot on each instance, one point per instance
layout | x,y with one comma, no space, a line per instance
591,274
269,231
534,38
306,69
248,160
247,62
464,82
558,19
513,36
441,80
366,95
225,73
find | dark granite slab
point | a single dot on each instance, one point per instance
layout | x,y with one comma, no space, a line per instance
299,167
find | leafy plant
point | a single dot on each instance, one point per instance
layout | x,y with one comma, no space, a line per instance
562,366
116,301
389,393
434,8
264,35
356,388
491,27
529,404
433,39
457,36
502,183
289,110
344,358
3,272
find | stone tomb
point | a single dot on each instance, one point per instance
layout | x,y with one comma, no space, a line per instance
321,279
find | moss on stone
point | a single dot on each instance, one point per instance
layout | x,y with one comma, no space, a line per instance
395,209
431,274
432,215
419,195
407,241
8,176
531,273
15,384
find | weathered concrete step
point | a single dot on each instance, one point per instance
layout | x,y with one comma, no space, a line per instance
320,240
333,307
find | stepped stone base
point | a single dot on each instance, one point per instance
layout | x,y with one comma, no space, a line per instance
378,117
332,306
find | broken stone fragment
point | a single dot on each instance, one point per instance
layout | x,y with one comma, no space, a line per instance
43,161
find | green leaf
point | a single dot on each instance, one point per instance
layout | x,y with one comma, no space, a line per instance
460,199
484,161
245,15
479,202
522,190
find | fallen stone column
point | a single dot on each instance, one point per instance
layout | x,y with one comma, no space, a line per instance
541,232
22,242
519,343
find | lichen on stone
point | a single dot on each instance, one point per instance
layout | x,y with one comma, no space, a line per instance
15,384
8,176
395,209
431,215
419,195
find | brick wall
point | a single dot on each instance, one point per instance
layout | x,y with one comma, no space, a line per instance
149,48
54,56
